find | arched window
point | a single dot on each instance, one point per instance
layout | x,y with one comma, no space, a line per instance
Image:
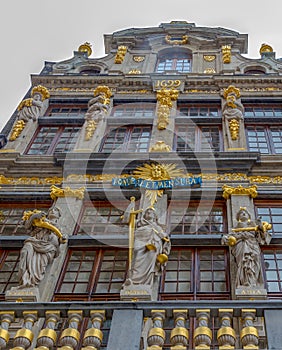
254,71
90,71
179,61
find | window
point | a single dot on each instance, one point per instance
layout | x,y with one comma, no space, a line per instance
198,138
196,274
189,218
265,139
11,218
177,61
51,139
134,110
254,71
9,261
90,71
127,139
273,270
199,111
271,111
95,274
66,111
271,214
102,218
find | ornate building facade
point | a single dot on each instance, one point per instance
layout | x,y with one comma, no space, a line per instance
140,197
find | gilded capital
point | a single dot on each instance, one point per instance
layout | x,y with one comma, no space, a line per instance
160,146
57,192
239,191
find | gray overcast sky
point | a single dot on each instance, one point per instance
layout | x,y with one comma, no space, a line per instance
34,31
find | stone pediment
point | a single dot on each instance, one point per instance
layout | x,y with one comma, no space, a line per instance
176,31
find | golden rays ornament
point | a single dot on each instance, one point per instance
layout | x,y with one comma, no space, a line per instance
157,172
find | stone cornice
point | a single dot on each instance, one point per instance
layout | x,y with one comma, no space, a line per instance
144,84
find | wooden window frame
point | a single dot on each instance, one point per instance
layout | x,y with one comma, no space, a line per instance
125,145
93,281
195,204
198,133
195,280
268,137
55,141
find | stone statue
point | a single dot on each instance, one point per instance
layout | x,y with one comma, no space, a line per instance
151,249
233,116
41,248
29,109
98,106
245,240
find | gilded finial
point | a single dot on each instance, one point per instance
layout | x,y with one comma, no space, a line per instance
86,47
265,48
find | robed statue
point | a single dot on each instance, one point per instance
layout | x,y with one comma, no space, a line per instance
41,248
148,251
245,240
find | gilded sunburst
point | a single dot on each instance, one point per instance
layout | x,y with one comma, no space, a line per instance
158,172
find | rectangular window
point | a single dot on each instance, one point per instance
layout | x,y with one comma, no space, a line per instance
11,218
140,110
66,111
273,271
100,218
263,111
9,264
127,139
198,111
198,138
180,64
196,274
188,218
272,214
265,139
93,274
51,139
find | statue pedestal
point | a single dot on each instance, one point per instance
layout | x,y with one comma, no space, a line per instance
136,292
23,295
247,293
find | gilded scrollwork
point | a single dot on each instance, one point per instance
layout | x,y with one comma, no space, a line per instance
226,54
165,98
176,41
120,54
138,58
209,58
134,71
